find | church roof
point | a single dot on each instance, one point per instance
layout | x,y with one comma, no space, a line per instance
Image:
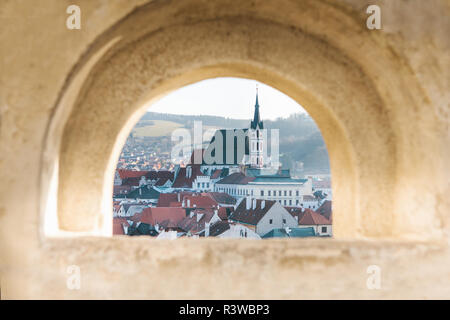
257,122
230,147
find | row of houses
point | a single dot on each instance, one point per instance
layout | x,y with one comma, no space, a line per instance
255,183
188,214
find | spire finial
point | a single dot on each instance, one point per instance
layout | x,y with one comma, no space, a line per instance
256,118
256,104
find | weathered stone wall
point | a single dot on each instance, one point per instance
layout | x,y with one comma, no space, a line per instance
69,97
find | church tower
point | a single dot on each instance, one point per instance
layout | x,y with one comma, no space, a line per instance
256,139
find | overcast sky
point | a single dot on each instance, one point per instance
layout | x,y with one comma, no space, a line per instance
227,97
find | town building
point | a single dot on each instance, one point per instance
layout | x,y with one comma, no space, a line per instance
261,216
321,225
278,187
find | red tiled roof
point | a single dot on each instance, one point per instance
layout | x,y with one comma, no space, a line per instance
166,198
199,202
221,197
182,181
222,213
131,182
251,216
163,174
312,218
236,178
118,225
175,204
295,212
196,223
325,210
121,189
158,215
124,174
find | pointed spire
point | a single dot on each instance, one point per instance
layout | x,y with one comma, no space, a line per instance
256,118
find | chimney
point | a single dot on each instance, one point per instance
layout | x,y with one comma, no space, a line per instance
140,191
296,218
207,229
178,197
263,204
254,204
183,204
188,203
248,203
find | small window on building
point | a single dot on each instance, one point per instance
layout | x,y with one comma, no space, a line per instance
297,193
268,193
324,229
284,220
270,221
290,193
285,193
262,192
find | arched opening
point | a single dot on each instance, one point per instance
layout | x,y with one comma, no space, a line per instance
225,158
105,94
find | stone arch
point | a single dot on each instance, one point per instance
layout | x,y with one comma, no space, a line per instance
136,62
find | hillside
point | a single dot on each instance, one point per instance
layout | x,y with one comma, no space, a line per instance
302,148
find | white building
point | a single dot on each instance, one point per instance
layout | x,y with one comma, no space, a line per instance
227,230
261,216
321,225
279,187
203,184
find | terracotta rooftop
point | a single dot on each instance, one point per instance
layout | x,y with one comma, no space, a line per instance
158,215
199,202
183,180
312,218
166,198
221,197
124,174
251,216
325,210
118,224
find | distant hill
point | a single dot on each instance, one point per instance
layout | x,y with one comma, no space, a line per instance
302,148
155,128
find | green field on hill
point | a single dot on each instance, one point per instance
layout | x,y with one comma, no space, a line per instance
156,128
